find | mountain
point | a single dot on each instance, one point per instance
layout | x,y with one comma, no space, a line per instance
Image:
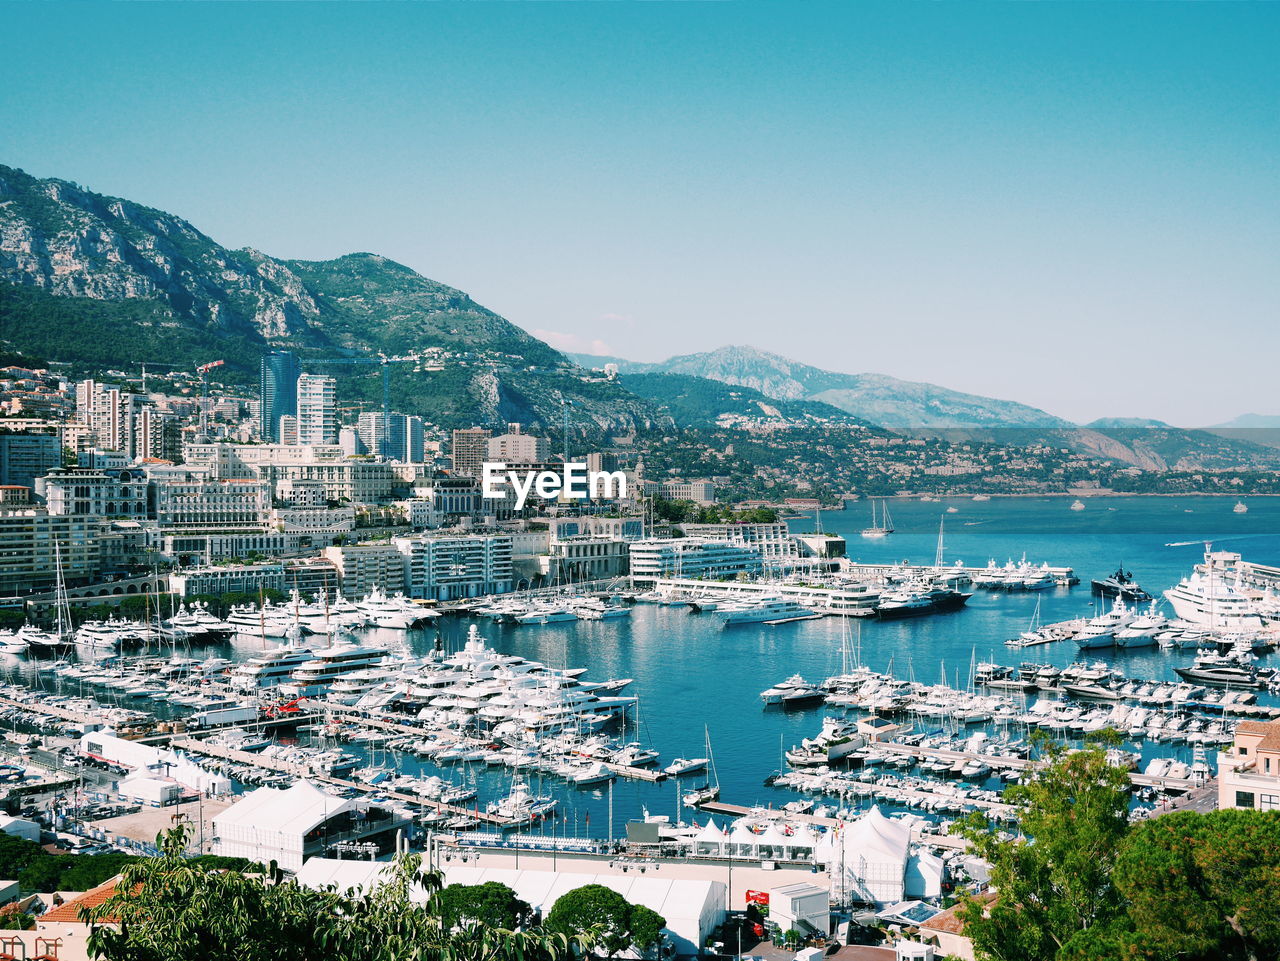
876,398
1265,421
700,402
922,409
92,281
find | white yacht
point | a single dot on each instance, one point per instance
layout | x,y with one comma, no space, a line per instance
12,642
313,677
1212,596
1142,630
269,669
766,609
1101,631
266,621
397,612
793,690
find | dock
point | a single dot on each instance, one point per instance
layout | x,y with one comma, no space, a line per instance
739,810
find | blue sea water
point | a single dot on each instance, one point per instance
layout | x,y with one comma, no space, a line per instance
690,672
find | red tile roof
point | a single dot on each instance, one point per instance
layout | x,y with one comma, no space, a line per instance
70,910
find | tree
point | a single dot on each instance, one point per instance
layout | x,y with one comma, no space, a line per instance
170,908
1204,886
1055,881
492,904
616,923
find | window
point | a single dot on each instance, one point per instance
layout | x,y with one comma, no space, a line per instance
1269,802
1266,764
1244,799
1243,750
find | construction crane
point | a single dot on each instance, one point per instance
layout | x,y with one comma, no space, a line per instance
203,370
385,361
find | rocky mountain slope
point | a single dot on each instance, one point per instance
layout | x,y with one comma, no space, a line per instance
84,275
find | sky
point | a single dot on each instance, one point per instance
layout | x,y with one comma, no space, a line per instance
1076,206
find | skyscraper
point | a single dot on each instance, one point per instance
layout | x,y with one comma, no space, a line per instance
470,448
317,409
277,391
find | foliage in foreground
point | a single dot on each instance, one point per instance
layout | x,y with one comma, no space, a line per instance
171,909
1082,884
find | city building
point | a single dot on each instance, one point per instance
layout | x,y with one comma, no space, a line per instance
228,579
770,541
515,447
399,437
1249,770
689,557
586,558
28,556
196,504
362,567
277,392
450,567
470,450
701,492
101,493
26,456
317,409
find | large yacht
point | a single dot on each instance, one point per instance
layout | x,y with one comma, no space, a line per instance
1212,596
1101,631
313,677
755,612
269,669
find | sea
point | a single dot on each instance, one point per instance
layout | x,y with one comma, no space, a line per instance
699,683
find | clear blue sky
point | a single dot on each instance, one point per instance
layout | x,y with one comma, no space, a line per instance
1076,206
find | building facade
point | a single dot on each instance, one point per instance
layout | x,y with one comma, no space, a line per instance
470,448
1249,770
449,568
277,392
317,409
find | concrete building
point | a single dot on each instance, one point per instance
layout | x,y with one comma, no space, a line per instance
196,504
362,567
586,558
701,492
448,568
28,560
108,413
277,391
470,449
1249,770
399,437
516,447
26,456
771,541
317,409
688,557
99,493
231,579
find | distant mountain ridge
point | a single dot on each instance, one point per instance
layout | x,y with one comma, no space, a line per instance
877,398
102,281
925,409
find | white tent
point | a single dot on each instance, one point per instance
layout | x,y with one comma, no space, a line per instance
773,843
709,840
870,860
272,825
742,840
692,909
925,874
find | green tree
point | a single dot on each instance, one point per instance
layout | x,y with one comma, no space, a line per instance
616,922
170,908
491,903
1204,886
1054,881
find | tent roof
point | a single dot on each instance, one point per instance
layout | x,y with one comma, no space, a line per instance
876,837
294,810
710,833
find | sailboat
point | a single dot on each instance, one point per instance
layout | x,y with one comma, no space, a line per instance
708,792
885,526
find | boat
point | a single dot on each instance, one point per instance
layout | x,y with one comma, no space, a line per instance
1120,584
1222,671
1213,595
981,497
904,603
763,610
1240,508
1077,505
1100,631
711,790
682,766
794,690
521,806
884,526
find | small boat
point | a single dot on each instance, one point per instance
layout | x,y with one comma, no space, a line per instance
1077,505
681,766
1240,508
711,790
884,526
